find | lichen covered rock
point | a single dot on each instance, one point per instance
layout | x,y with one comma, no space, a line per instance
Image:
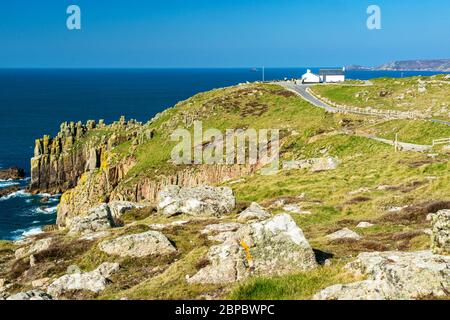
138,245
98,219
440,232
253,212
272,247
394,275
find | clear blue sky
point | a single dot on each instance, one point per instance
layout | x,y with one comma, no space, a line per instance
220,33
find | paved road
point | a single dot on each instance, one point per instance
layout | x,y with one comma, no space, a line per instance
301,91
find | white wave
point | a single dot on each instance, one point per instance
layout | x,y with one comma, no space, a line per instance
20,193
8,183
22,233
48,210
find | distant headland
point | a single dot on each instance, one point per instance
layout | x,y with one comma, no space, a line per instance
409,65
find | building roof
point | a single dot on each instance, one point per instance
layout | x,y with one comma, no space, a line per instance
331,72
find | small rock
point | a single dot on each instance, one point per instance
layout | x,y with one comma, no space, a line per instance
40,283
36,247
364,224
72,269
344,234
293,208
253,212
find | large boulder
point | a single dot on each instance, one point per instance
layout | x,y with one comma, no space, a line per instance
98,219
138,245
272,247
30,295
253,212
394,275
440,232
94,281
198,201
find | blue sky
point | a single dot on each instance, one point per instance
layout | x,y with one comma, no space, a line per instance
214,33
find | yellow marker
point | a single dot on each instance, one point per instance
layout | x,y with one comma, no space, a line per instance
247,253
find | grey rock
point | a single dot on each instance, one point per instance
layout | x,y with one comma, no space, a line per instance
98,219
94,281
138,245
440,232
292,208
36,247
197,201
253,212
364,225
118,208
272,247
394,275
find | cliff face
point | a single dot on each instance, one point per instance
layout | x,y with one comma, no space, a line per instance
59,162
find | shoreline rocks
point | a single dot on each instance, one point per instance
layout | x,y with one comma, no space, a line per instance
13,173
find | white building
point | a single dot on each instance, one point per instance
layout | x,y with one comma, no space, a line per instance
332,75
310,77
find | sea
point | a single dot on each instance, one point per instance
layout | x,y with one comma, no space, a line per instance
34,102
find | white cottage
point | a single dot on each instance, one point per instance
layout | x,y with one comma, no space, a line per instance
332,75
310,77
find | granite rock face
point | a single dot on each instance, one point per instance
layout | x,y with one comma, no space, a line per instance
394,275
94,281
138,245
272,247
440,232
197,201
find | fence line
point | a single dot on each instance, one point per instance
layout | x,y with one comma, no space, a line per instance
441,141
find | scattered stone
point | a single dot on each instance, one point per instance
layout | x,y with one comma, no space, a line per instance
72,269
198,201
36,247
138,245
98,219
314,164
364,224
95,235
40,283
440,232
293,208
94,281
253,212
31,295
394,275
272,247
344,234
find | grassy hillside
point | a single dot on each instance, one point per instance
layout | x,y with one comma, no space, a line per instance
430,95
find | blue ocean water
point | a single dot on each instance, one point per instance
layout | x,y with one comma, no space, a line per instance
34,102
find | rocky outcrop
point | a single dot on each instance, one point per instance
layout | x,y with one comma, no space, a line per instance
12,174
8,190
59,162
252,213
151,243
94,281
394,275
272,247
198,201
440,232
98,219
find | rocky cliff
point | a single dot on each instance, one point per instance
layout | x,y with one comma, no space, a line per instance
59,162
